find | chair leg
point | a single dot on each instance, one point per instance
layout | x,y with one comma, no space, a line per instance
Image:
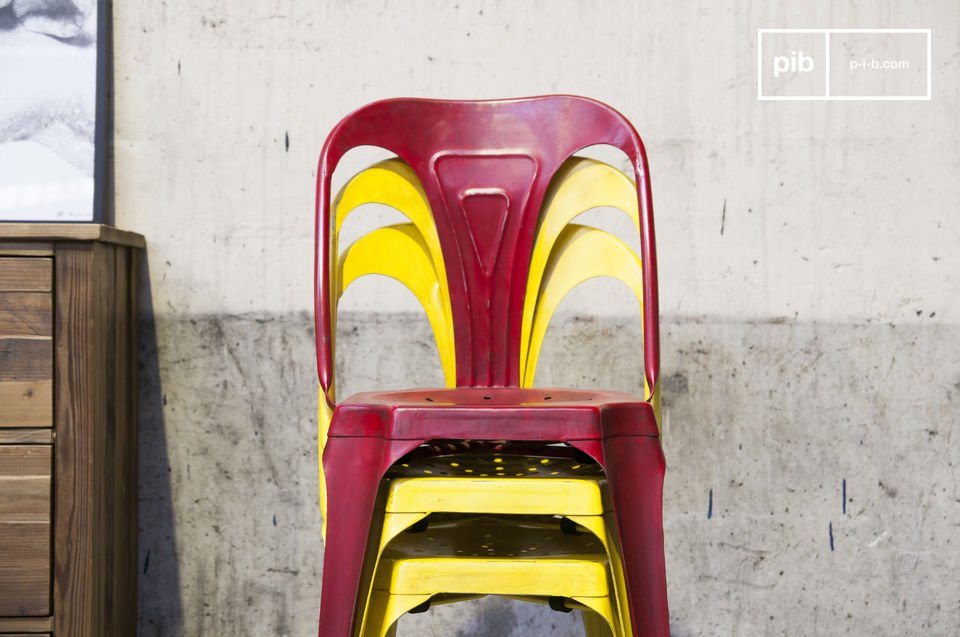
635,466
594,624
352,470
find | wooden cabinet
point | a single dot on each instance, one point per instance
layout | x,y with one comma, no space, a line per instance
68,430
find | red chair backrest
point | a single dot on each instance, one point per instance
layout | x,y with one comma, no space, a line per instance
485,167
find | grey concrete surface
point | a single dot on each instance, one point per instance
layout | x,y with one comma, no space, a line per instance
825,211
767,425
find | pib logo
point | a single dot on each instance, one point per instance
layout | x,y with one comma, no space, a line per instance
791,64
795,62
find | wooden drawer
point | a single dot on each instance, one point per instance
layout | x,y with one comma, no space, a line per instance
68,430
26,342
25,536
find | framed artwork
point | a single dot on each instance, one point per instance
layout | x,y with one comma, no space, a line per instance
54,77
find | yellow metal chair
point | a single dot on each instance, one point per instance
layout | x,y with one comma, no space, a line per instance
522,556
564,256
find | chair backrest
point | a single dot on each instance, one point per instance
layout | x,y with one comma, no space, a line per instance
484,167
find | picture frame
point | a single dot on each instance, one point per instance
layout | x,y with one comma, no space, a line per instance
55,117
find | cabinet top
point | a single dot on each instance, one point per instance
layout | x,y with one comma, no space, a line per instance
70,232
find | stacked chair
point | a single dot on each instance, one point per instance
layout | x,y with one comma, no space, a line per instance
489,486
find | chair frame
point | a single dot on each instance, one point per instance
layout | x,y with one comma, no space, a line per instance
478,158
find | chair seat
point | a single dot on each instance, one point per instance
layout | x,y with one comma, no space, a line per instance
527,557
487,555
502,413
500,496
495,459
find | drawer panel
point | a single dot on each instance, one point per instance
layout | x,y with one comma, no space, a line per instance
26,343
26,403
26,358
26,274
26,314
25,534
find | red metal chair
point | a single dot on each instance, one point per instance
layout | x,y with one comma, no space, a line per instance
485,167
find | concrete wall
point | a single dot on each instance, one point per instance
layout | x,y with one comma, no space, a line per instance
809,277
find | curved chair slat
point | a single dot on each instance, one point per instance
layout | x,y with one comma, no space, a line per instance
393,183
581,253
581,184
400,252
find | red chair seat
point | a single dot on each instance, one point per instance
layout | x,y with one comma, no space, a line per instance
493,413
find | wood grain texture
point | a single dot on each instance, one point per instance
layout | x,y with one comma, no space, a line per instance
78,408
25,474
124,496
25,436
26,358
27,403
96,422
25,248
26,314
70,232
25,274
104,437
24,461
25,626
83,313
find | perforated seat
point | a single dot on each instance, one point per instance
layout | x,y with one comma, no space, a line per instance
495,459
459,557
522,536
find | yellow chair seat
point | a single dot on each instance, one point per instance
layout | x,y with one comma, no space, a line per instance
502,496
469,556
497,459
409,501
